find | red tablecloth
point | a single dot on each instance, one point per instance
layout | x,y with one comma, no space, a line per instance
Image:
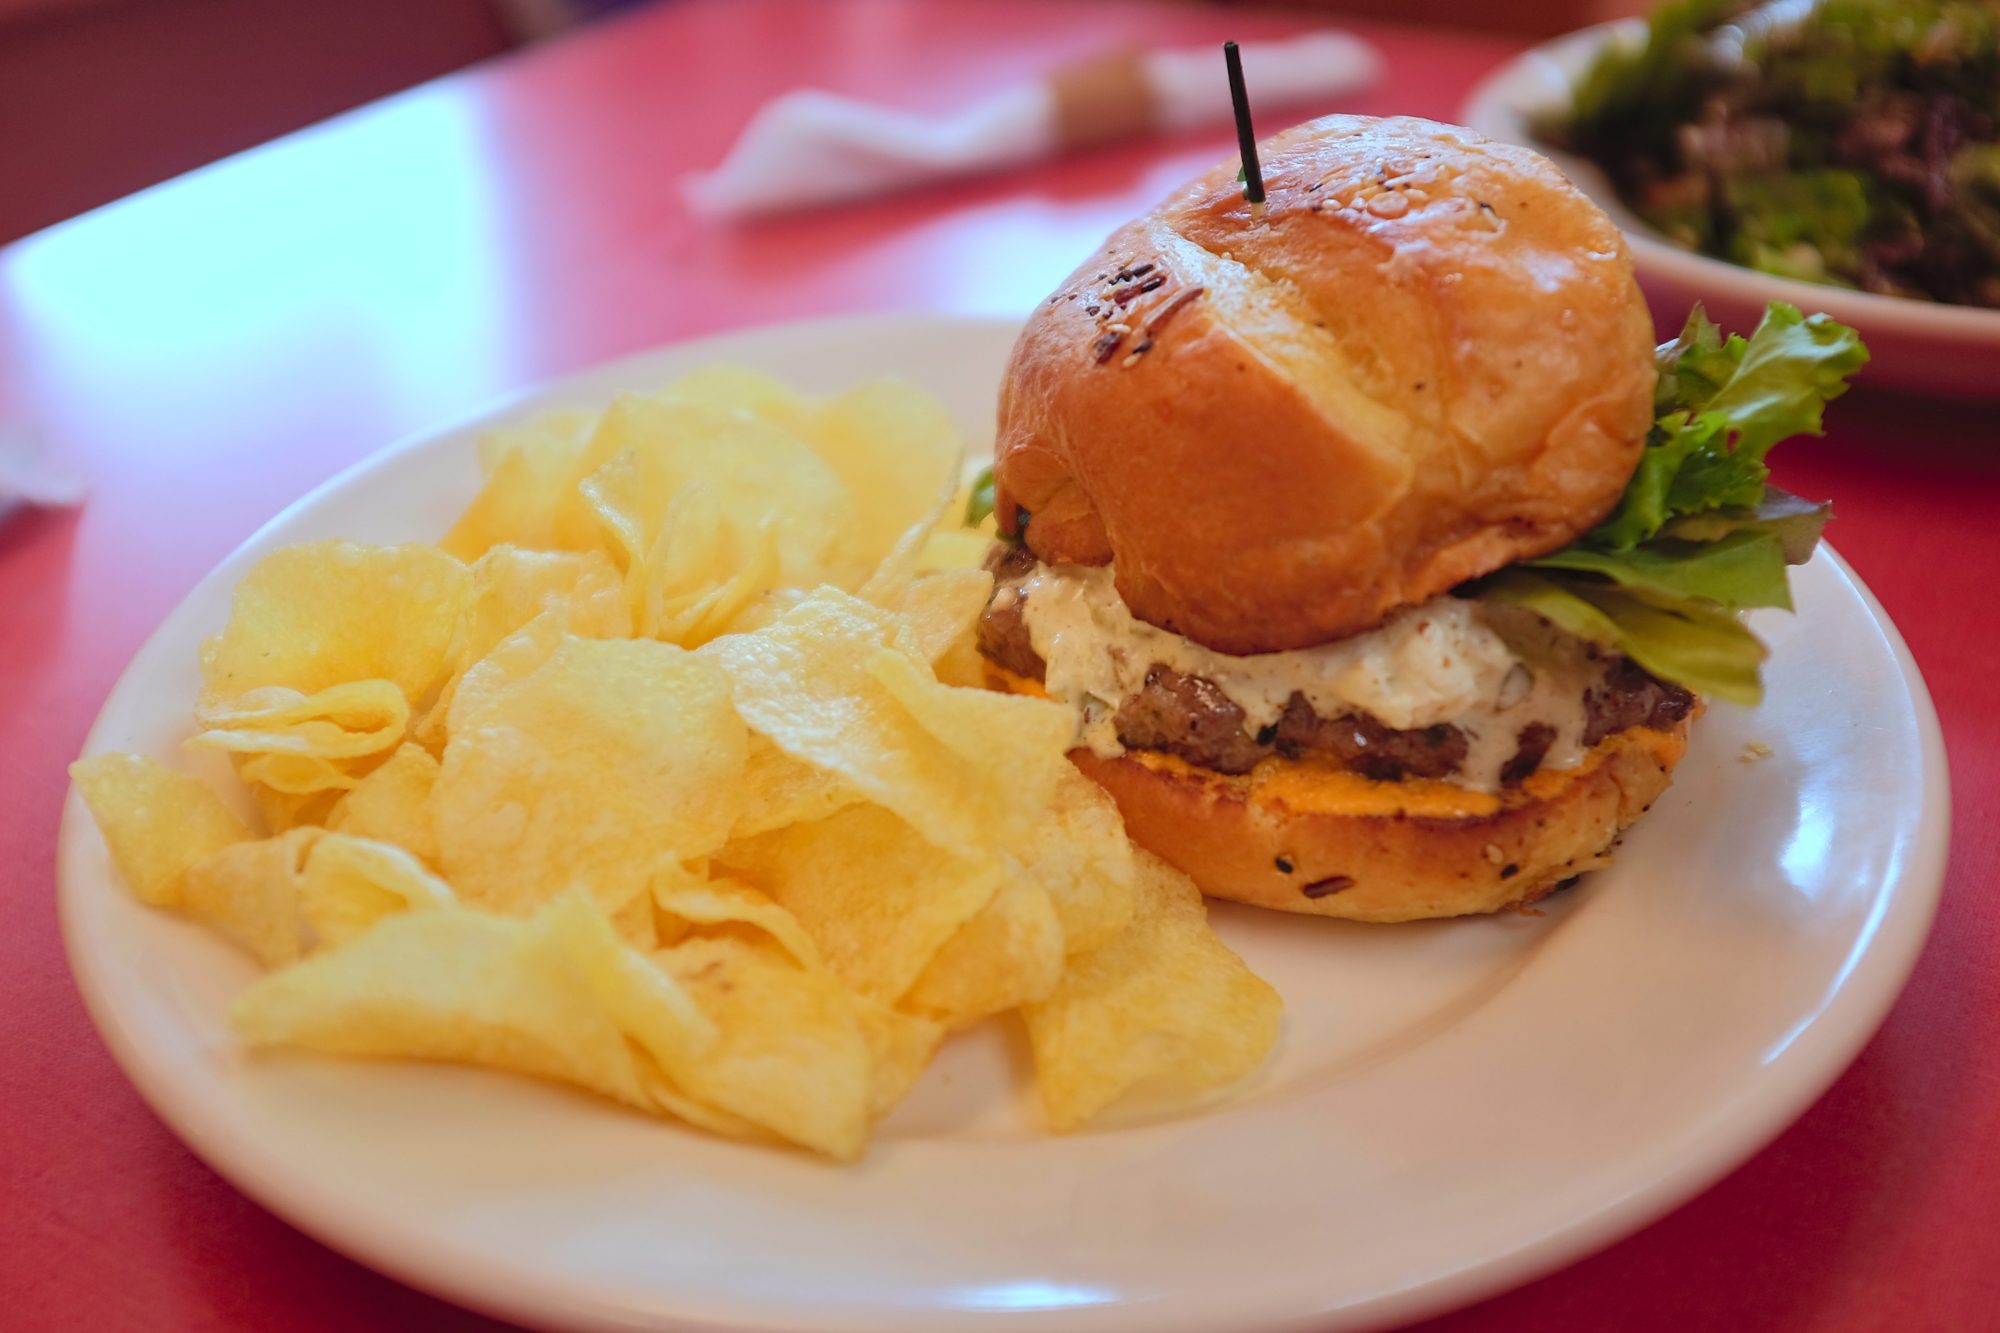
210,350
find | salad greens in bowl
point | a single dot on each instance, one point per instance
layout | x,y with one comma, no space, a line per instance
1838,155
1851,142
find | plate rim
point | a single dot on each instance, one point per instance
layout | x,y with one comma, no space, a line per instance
1836,1049
1490,110
1908,901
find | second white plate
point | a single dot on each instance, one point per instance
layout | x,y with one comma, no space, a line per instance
1913,345
1454,1107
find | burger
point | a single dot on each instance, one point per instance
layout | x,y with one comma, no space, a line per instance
1385,560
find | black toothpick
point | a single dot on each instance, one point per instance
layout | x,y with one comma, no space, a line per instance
1246,137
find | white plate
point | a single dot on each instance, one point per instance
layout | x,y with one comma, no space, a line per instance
1914,345
1453,1108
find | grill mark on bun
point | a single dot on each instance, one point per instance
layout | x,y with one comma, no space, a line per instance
1172,308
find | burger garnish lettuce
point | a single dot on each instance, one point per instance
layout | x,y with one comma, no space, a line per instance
1700,533
1388,584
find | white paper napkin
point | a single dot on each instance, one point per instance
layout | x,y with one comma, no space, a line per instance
811,147
27,477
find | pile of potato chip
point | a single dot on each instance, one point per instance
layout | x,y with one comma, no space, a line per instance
667,775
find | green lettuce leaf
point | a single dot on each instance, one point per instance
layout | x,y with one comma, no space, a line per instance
1796,523
1714,480
1723,403
1648,504
1682,640
1781,377
1741,570
1700,535
980,505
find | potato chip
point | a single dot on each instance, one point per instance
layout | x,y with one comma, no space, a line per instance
479,701
1013,746
637,991
348,721
691,613
942,612
250,892
790,1054
560,433
604,761
556,996
738,388
959,765
779,790
1162,1014
349,883
629,514
876,897
689,568
281,811
897,452
659,1017
302,779
765,610
512,660
692,900
681,791
393,804
951,547
1008,954
900,1048
893,447
635,920
156,822
700,570
527,467
579,593
1083,859
662,1095
295,746
512,586
754,469
327,613
893,575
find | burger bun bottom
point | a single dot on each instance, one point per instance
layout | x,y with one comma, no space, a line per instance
1297,839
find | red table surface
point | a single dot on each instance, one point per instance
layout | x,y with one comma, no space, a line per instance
212,349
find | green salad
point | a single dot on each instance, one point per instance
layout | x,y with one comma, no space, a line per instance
1852,142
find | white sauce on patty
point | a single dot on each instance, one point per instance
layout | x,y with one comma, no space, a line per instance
1439,662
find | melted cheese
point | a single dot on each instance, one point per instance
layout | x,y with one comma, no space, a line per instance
1311,788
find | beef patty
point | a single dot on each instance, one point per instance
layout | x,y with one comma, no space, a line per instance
1190,717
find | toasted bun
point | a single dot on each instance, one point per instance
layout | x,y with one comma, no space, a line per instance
1427,360
1386,851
